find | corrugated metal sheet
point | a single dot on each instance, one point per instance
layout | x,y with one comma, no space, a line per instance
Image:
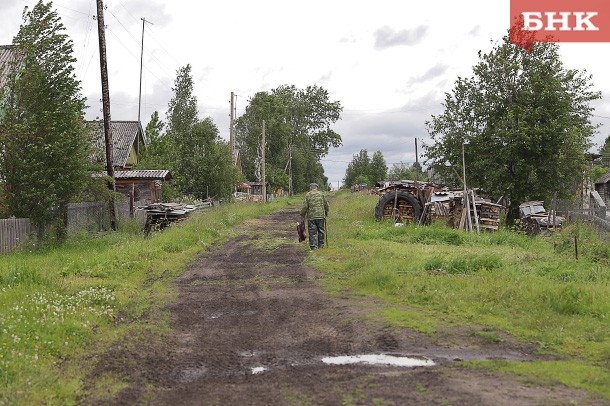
603,179
152,174
124,136
7,56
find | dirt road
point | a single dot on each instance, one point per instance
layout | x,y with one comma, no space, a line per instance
252,326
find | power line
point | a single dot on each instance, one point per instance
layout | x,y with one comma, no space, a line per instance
349,162
128,12
594,115
125,28
163,82
161,46
87,37
149,54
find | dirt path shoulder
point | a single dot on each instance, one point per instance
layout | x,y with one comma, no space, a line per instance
252,326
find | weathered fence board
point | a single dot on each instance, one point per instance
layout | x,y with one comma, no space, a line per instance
584,215
94,216
12,232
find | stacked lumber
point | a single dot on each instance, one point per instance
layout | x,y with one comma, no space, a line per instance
489,215
162,214
486,217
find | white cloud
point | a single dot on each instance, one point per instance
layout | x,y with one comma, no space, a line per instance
386,37
389,62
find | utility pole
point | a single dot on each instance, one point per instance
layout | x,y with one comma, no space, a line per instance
466,198
141,65
416,161
290,170
232,125
263,168
106,110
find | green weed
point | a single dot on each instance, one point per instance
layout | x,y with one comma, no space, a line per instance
64,303
530,288
463,265
577,374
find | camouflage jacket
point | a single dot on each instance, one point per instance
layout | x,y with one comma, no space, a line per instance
315,206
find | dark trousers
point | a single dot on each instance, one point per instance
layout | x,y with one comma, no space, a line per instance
316,233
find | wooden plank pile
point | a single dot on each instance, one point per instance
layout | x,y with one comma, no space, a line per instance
486,216
489,215
160,215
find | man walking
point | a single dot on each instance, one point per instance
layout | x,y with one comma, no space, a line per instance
315,209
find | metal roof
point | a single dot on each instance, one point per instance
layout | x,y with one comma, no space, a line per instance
603,179
7,57
124,136
152,174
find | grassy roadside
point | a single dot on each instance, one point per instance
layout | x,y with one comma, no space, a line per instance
434,278
62,304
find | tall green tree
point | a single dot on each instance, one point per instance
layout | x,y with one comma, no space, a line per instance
182,109
605,153
378,169
404,171
367,170
358,169
201,163
207,170
158,152
525,120
298,133
45,149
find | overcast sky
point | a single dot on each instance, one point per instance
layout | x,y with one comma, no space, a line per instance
389,63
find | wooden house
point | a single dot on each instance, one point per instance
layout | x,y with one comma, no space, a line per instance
256,188
7,58
128,139
7,65
602,186
141,186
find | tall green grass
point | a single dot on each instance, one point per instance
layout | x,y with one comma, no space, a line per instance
62,303
433,277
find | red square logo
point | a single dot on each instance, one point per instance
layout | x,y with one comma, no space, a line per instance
559,21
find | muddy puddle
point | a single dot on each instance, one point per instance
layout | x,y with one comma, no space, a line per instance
379,359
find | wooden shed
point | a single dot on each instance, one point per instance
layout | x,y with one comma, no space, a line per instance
256,188
144,185
602,186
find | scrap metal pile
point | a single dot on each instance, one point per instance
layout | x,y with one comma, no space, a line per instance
423,202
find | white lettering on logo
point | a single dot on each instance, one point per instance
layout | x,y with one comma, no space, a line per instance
586,21
564,20
532,17
533,21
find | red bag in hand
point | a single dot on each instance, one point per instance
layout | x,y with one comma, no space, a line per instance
301,231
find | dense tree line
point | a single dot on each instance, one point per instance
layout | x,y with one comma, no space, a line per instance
525,120
45,149
200,161
363,169
403,171
298,134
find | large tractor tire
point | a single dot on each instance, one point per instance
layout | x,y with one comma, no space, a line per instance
408,208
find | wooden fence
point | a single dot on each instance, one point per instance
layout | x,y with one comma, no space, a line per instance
94,216
12,232
90,216
589,216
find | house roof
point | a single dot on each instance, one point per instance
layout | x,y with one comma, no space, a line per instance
603,179
124,135
143,174
7,57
